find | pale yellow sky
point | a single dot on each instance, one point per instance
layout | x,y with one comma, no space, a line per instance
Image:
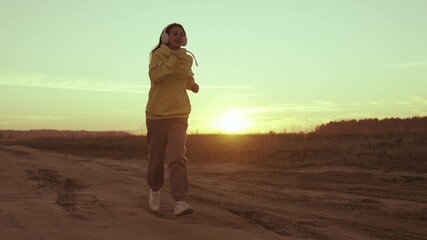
263,65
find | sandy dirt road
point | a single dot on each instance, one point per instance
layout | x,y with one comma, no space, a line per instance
53,196
48,195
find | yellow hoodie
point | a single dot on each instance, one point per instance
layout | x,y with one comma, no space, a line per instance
170,77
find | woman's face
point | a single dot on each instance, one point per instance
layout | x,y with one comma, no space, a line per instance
176,37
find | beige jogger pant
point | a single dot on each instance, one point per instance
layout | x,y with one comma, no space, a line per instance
168,136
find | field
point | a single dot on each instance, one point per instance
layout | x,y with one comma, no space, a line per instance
273,186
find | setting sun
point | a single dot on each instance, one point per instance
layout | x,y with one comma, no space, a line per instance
232,122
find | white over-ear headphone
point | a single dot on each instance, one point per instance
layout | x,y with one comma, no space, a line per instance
165,37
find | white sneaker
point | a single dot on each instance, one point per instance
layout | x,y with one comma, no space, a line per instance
154,201
182,208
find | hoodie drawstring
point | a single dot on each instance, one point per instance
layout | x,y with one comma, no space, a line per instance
195,60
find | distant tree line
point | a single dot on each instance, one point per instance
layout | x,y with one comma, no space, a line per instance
373,126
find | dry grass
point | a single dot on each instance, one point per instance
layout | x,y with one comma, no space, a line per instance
121,148
390,152
386,152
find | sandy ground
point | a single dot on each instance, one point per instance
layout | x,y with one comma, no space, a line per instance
48,195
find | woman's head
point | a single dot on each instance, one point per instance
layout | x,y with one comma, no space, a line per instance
173,35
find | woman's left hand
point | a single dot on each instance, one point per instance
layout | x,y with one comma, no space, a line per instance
195,88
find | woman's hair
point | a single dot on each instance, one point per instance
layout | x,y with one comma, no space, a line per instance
167,30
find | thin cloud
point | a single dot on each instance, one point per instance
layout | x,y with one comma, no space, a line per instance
13,119
411,64
80,84
415,101
415,104
317,106
227,87
419,100
242,96
68,83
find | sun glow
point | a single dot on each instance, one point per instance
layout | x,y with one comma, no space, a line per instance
232,122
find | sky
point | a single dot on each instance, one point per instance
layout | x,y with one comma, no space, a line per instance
264,66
